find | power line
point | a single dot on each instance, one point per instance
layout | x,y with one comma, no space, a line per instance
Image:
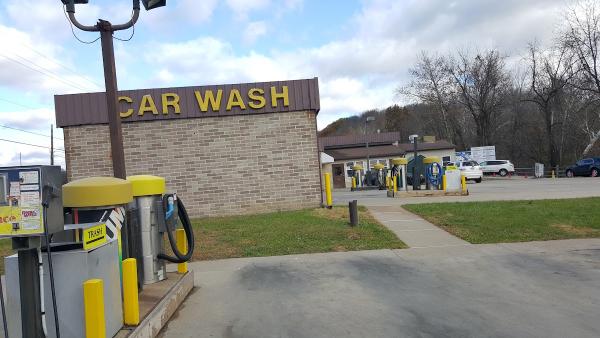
17,104
49,74
60,64
29,144
29,132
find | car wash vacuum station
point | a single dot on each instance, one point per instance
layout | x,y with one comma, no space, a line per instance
85,249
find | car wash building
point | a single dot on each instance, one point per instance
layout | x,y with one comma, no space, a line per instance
226,149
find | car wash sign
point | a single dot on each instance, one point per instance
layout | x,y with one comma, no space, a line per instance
191,102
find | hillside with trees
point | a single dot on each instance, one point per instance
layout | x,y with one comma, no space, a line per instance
543,107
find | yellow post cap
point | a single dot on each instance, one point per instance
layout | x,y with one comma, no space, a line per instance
97,192
432,159
146,185
378,166
400,161
357,167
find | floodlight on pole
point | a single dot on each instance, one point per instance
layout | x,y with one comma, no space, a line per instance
106,30
151,4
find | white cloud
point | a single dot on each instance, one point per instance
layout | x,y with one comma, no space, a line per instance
242,8
253,31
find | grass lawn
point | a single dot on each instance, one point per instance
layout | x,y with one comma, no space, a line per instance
280,233
515,221
289,232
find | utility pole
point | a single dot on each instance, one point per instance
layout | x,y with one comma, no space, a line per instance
51,144
106,30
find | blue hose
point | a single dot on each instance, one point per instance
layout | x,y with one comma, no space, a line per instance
436,179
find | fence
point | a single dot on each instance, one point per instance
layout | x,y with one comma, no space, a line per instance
530,172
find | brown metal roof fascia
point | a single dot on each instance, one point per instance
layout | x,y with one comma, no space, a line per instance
361,153
90,108
353,140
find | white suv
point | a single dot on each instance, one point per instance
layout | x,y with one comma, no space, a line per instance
500,167
470,169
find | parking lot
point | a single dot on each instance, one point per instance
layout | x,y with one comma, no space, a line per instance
491,189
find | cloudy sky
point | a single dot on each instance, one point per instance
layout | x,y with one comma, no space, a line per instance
360,50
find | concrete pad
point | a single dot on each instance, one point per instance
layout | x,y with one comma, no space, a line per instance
461,291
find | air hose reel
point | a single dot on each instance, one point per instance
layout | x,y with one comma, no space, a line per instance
171,204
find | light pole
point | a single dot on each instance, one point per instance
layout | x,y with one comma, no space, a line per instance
367,120
414,139
106,30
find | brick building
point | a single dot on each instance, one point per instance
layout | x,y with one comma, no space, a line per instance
230,149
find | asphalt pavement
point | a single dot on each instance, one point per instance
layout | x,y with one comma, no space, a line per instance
536,289
491,189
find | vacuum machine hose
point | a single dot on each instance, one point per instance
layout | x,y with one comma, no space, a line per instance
189,234
435,180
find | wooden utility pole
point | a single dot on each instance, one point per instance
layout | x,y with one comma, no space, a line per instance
51,144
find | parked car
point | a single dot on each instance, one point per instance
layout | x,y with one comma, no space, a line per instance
585,167
500,167
470,169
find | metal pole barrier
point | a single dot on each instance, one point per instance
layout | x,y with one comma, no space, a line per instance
463,183
328,190
93,305
353,182
353,209
182,247
395,184
131,303
444,183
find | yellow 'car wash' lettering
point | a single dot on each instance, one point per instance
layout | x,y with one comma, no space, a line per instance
170,100
276,96
257,97
129,111
235,99
147,105
209,98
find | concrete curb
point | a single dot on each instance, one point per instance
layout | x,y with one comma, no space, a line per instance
160,315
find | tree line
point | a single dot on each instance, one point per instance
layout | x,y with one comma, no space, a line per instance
540,107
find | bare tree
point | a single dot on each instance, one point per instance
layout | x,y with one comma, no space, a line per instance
432,85
482,84
550,73
582,37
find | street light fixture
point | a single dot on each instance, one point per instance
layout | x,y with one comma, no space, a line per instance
367,120
106,30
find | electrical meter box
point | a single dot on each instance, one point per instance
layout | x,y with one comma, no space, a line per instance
22,191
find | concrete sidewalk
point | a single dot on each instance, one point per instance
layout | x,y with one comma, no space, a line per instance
412,229
536,289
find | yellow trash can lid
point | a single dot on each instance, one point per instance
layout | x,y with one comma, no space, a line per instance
400,161
147,185
378,166
432,159
97,192
357,167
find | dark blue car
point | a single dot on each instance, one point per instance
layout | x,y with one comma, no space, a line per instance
585,167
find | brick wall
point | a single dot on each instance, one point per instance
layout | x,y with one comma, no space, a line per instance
219,166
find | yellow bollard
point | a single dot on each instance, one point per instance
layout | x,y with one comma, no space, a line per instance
353,182
444,182
387,181
182,246
395,184
463,183
553,174
131,304
328,190
93,306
